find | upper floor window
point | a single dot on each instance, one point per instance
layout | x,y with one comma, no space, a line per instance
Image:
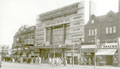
92,21
92,32
106,30
110,30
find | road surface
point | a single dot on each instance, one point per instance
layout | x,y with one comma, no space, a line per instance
8,65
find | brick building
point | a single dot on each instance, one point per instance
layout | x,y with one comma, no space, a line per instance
105,29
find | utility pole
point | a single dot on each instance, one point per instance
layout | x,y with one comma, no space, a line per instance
54,55
97,44
95,53
73,54
80,53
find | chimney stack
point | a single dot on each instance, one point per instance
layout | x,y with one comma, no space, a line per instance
119,6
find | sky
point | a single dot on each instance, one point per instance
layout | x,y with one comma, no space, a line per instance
15,13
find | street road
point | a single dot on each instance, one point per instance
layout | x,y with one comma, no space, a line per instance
8,65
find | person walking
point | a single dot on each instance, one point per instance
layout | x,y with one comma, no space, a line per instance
39,60
50,60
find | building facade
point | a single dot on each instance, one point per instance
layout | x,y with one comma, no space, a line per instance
58,30
104,32
5,52
23,44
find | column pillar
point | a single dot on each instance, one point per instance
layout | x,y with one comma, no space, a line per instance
50,40
64,33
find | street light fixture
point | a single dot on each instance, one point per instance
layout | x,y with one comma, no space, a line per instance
73,54
54,55
80,53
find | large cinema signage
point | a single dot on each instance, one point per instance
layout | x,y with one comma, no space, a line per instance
57,22
76,29
70,7
40,33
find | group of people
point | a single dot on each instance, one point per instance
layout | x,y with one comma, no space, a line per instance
56,61
27,60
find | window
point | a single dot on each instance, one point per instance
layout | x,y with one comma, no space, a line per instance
89,32
114,29
92,21
106,30
110,29
92,32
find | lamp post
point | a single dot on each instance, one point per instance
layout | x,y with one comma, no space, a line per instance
97,44
73,54
80,53
54,55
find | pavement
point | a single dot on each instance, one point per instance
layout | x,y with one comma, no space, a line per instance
8,65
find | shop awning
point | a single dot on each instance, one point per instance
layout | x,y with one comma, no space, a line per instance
106,52
88,46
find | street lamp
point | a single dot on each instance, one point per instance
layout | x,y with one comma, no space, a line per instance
54,55
80,53
73,54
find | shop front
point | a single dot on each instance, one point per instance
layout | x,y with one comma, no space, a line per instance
57,53
72,57
87,54
107,57
72,54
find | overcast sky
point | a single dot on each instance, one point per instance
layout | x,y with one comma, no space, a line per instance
15,13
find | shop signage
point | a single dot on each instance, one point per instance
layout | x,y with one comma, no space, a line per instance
71,54
56,50
71,7
69,51
57,22
110,45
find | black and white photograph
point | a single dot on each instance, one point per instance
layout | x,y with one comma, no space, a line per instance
59,34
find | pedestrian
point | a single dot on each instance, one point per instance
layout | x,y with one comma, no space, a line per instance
39,60
13,60
50,60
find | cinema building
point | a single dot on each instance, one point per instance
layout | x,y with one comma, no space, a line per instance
105,29
59,33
